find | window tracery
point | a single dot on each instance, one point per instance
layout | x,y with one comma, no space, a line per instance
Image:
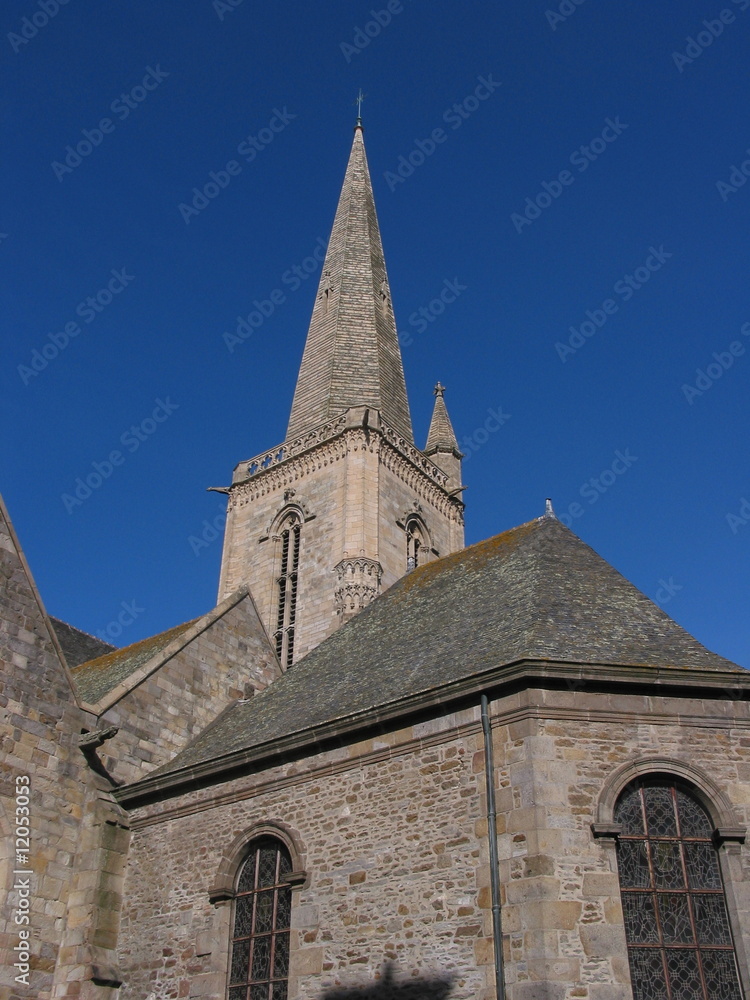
259,961
676,922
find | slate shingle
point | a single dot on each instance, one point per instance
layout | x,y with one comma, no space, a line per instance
536,592
96,678
78,646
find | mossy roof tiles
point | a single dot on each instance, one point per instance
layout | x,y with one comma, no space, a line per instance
96,678
536,592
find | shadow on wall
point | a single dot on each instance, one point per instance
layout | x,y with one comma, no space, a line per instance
388,989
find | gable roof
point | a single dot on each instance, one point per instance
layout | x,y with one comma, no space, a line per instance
78,646
96,678
536,592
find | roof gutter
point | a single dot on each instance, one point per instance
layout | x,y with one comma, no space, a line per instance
497,926
727,684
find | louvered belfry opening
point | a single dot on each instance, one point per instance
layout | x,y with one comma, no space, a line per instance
287,581
676,922
260,928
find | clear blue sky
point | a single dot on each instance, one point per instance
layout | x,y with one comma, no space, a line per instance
585,182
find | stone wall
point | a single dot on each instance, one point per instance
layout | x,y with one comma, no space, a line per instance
562,913
351,491
69,930
229,660
392,834
389,835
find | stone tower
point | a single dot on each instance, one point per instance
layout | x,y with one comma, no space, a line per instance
321,524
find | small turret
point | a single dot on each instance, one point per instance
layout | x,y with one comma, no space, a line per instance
442,446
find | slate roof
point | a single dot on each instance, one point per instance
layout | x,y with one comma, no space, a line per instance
78,646
96,678
536,592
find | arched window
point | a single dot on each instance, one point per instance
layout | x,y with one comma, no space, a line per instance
415,543
286,588
676,922
259,968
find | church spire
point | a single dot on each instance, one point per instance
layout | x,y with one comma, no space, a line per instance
352,355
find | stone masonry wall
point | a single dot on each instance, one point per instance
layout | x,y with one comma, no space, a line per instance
252,554
352,490
39,727
396,498
389,832
561,908
229,660
393,836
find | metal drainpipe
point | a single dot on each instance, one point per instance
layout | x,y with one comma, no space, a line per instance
497,926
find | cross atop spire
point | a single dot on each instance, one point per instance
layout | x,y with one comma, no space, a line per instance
358,102
352,355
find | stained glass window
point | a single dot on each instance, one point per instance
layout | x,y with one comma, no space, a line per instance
286,589
676,922
259,963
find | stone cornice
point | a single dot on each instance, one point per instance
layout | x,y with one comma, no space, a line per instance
732,686
288,463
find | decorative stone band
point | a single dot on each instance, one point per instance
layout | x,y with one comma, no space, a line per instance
358,416
287,464
358,583
283,452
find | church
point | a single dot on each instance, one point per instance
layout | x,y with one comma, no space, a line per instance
384,765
